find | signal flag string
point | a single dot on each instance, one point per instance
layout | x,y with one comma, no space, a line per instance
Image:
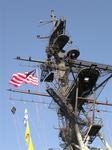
28,139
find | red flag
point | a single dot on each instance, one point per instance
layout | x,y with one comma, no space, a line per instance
24,78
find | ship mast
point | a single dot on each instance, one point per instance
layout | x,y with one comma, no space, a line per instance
73,86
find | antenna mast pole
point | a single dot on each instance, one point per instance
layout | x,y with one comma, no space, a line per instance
53,18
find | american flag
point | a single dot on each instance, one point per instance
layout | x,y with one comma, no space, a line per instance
24,78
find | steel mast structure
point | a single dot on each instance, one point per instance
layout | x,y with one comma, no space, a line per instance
74,86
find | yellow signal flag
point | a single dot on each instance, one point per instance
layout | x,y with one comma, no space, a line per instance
30,145
27,133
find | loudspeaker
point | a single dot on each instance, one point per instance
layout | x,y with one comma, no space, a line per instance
73,54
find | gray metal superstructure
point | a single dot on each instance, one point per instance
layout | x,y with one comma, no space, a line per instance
74,86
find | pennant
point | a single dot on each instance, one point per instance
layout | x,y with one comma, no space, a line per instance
24,78
27,132
25,117
28,139
30,145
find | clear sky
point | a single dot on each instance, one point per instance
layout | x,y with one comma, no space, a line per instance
89,24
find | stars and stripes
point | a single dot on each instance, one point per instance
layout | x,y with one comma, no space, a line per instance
24,78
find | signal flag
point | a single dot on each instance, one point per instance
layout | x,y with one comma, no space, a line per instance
27,133
30,145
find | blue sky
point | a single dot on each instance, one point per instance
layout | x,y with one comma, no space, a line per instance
89,24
